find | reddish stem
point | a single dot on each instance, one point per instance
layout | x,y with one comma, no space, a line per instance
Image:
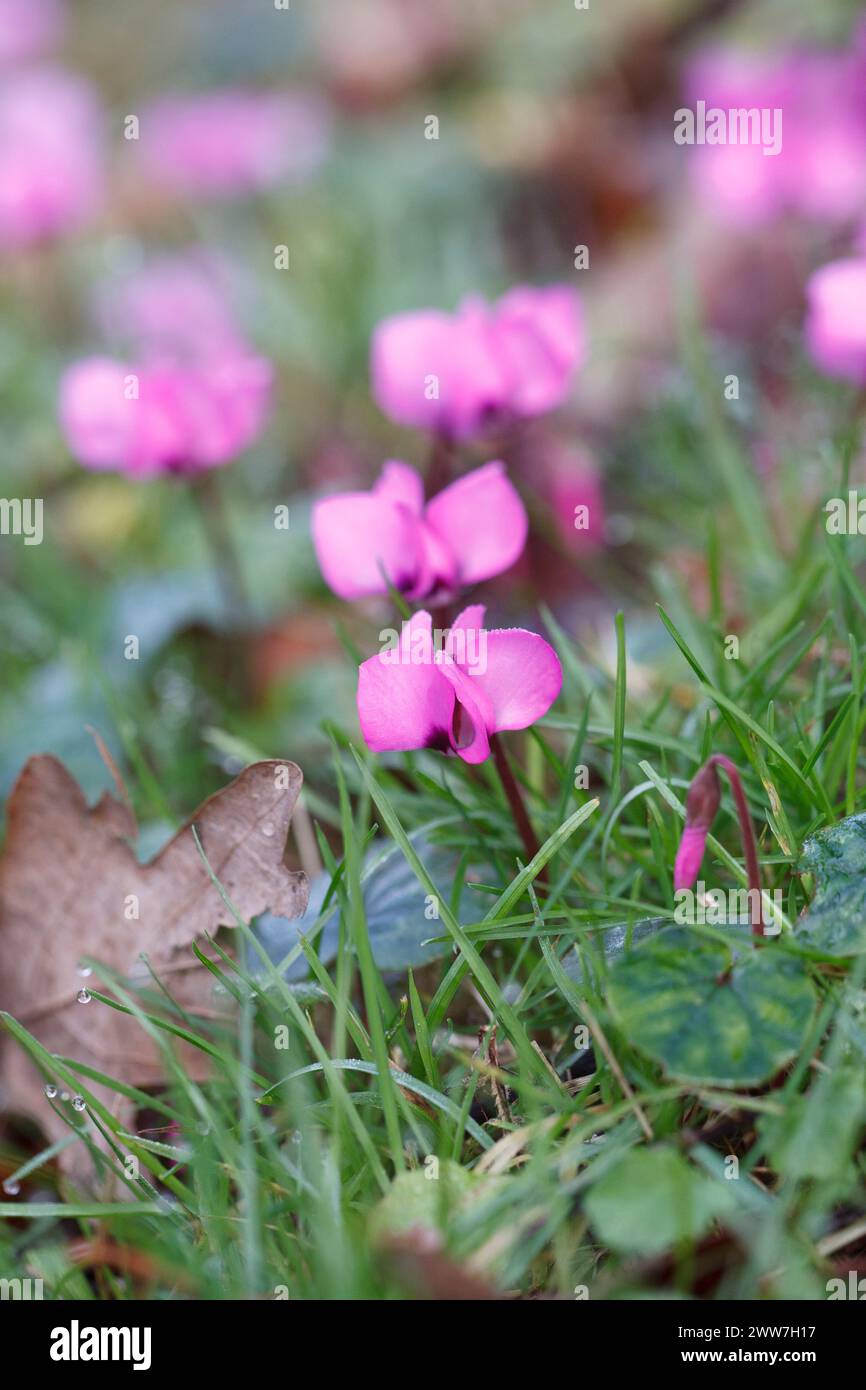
516,802
747,833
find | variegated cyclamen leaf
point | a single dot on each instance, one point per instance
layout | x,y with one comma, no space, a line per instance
835,921
711,1013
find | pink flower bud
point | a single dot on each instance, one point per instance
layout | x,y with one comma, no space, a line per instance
702,803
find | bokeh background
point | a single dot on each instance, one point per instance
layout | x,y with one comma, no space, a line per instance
555,131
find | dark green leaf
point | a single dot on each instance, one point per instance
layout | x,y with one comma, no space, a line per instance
709,1012
835,923
653,1199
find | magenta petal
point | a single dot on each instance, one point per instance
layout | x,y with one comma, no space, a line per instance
407,356
519,677
689,856
403,704
398,482
357,536
471,619
437,565
540,336
220,409
98,421
483,522
836,321
229,141
471,719
52,172
437,371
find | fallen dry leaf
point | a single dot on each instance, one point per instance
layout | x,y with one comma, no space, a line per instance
72,887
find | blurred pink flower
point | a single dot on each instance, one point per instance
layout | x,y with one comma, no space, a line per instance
51,155
232,141
820,171
145,421
419,696
28,28
459,374
176,306
836,319
474,528
573,486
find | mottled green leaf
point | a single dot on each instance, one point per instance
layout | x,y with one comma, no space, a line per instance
709,1012
817,1135
612,941
835,922
653,1199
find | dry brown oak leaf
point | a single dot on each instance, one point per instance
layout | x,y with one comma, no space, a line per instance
70,883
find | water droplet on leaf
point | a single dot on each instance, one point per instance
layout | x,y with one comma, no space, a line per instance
83,996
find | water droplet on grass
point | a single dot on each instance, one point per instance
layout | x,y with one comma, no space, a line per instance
79,1103
50,1091
83,996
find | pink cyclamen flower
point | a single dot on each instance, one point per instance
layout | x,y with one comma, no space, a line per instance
51,155
175,306
233,141
28,27
815,133
156,419
474,528
460,374
455,697
836,319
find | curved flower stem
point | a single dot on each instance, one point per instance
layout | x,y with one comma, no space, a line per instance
516,802
205,491
747,833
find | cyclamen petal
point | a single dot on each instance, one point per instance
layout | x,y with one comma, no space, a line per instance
483,521
435,371
231,141
520,677
473,529
362,537
176,307
404,701
400,483
541,338
52,172
836,321
94,412
689,855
